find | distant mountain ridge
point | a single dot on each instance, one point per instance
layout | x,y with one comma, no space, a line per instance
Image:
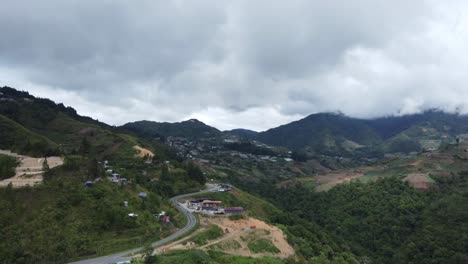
50,126
40,127
246,133
192,129
333,134
337,134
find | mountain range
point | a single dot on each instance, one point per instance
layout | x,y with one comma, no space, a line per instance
334,134
45,127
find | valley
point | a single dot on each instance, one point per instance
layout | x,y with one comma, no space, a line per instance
233,132
370,196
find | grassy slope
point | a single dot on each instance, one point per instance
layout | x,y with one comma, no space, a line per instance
62,219
42,120
17,138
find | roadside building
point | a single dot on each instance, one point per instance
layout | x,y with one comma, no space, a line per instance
234,210
209,205
197,202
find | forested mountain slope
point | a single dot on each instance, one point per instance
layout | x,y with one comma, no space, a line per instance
336,134
192,129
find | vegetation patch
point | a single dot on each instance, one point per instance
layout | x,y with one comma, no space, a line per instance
212,232
226,245
262,245
7,166
235,217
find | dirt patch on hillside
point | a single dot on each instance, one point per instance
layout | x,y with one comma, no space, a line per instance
88,131
29,172
342,176
237,235
419,181
418,163
142,152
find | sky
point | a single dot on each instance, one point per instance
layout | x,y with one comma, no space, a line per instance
237,64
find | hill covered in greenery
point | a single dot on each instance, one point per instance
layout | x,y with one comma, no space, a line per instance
63,218
17,138
40,127
336,134
245,133
191,129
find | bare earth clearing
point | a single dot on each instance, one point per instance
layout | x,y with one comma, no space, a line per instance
142,152
331,179
237,234
29,172
418,170
419,181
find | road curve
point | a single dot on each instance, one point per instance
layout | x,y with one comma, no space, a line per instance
120,257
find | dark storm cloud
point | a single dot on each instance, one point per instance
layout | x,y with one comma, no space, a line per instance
254,64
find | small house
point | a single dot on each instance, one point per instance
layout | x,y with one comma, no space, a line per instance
166,219
88,183
233,210
143,195
209,205
195,202
123,180
209,208
162,213
226,186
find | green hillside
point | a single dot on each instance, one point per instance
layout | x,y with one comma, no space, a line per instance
47,125
61,219
329,134
17,138
336,134
192,129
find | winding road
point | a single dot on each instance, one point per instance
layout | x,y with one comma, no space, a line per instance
121,256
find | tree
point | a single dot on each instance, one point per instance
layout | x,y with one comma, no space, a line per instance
45,165
195,173
299,156
165,173
85,147
93,167
148,256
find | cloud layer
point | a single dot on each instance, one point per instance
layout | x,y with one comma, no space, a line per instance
251,64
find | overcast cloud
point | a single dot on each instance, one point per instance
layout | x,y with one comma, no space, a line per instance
250,64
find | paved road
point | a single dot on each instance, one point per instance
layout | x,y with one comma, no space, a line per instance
120,257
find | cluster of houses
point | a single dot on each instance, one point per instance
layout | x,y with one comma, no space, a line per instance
213,207
222,188
112,175
203,150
